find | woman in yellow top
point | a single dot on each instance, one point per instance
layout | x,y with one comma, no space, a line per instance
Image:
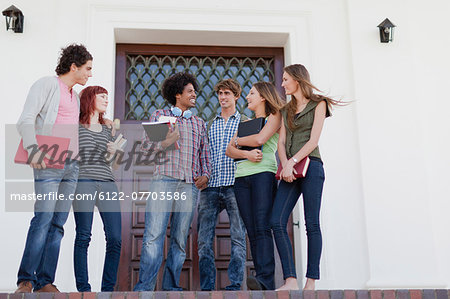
255,185
302,122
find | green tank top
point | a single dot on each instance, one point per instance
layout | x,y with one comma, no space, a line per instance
303,122
268,162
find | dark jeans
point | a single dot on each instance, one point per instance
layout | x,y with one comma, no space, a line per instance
255,194
214,200
285,200
40,256
111,217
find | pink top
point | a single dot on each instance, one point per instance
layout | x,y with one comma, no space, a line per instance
66,123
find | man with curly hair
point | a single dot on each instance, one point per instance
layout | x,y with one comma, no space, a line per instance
175,185
51,108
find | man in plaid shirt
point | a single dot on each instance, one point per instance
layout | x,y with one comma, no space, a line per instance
220,194
174,187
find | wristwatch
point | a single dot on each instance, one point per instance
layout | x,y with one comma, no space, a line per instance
295,160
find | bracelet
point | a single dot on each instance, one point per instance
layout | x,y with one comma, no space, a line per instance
236,142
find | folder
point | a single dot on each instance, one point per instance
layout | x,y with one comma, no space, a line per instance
55,147
250,127
157,131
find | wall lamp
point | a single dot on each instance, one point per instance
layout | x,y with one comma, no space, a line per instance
14,19
386,31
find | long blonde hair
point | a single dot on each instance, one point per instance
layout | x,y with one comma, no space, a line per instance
300,74
273,101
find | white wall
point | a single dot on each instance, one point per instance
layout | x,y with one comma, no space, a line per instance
382,216
49,25
403,135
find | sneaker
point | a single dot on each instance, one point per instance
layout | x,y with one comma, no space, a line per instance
24,287
253,284
48,288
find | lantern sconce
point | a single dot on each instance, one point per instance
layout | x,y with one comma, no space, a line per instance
14,19
386,31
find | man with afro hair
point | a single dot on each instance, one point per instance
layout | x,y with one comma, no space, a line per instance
175,186
51,108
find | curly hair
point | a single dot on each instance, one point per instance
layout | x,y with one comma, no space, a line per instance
73,53
175,84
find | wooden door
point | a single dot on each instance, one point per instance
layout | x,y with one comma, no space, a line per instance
134,101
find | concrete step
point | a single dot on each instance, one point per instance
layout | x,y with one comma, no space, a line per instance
320,294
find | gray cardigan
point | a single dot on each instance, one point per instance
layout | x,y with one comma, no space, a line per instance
40,110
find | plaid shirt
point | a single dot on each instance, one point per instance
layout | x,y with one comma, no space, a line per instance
220,135
192,158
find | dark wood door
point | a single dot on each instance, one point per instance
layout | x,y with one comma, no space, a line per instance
133,179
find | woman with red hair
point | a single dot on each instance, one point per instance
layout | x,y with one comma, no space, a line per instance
96,187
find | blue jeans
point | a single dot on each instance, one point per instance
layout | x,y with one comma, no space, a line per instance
254,195
285,200
111,217
40,256
214,200
157,216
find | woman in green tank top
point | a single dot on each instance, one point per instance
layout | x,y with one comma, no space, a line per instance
302,122
255,184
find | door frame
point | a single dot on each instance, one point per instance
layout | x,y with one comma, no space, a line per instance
277,53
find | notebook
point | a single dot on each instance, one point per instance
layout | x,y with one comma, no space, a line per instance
120,141
55,147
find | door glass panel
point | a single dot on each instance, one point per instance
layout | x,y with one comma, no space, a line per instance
146,74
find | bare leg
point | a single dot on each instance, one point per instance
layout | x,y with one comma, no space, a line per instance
290,284
310,284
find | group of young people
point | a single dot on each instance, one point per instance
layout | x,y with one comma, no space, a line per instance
199,164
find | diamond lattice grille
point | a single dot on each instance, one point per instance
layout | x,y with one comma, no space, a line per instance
145,75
